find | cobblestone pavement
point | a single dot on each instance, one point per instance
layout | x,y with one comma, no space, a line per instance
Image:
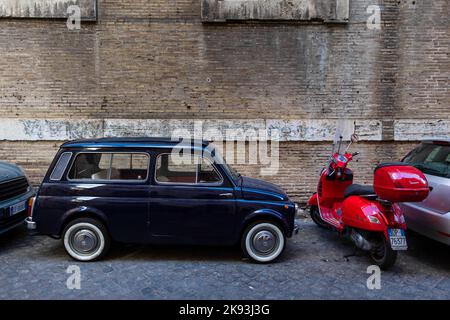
312,267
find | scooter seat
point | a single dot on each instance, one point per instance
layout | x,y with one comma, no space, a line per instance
359,190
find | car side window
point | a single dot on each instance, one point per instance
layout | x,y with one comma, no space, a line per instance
110,166
60,166
207,173
192,170
129,166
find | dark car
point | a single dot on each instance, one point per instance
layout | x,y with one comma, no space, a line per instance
136,190
15,192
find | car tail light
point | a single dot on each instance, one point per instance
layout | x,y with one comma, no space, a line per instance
441,143
31,206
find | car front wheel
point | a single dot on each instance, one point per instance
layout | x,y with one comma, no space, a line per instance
263,241
86,239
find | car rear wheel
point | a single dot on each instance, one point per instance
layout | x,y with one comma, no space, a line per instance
263,241
86,239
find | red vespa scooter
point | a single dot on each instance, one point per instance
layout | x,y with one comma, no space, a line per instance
368,216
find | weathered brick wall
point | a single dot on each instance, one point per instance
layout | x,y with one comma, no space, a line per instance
156,60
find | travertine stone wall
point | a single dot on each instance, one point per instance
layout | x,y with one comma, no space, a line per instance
287,10
47,9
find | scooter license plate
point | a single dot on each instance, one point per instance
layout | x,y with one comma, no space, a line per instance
398,239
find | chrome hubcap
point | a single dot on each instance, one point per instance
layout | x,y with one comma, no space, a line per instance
84,241
264,241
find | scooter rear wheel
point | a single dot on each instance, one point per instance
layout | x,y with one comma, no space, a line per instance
315,216
383,255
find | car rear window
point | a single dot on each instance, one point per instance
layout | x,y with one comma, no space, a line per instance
110,166
61,166
433,159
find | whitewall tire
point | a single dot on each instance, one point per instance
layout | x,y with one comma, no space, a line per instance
263,241
86,239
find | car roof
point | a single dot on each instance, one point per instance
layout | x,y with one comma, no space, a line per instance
156,142
447,140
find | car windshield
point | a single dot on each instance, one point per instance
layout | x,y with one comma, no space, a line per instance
433,159
229,169
236,175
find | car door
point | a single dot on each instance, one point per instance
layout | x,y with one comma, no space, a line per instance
114,185
191,202
438,201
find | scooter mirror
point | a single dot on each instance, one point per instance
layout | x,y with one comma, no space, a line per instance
354,138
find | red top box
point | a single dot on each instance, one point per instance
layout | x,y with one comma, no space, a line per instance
399,182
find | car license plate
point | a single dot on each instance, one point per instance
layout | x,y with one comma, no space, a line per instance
18,207
398,239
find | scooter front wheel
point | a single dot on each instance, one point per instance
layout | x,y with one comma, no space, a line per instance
315,216
382,254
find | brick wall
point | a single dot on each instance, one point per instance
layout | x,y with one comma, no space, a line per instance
300,163
156,60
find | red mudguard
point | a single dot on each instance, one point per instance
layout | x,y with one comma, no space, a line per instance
313,201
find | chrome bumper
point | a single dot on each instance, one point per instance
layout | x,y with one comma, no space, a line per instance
31,225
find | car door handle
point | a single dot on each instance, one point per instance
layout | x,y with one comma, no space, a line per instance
226,195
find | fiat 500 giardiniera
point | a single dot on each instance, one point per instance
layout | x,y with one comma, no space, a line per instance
136,190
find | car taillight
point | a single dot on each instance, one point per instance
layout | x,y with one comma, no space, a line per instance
31,206
441,143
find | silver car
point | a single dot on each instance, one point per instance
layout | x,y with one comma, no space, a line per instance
431,217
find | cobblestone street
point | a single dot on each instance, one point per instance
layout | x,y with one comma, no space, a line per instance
312,267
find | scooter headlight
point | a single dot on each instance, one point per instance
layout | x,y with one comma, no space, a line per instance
373,219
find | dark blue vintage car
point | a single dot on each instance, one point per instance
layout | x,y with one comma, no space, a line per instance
139,190
15,192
